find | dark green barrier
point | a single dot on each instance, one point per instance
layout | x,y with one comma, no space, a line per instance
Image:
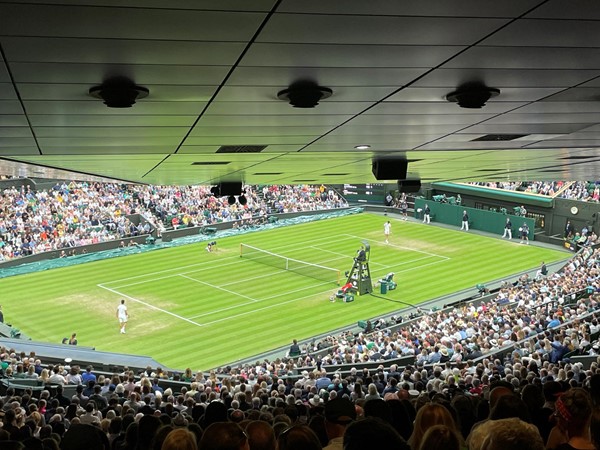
479,219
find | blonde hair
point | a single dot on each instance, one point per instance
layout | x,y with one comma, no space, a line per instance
180,439
428,416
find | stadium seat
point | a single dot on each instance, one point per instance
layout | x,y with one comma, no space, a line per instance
15,333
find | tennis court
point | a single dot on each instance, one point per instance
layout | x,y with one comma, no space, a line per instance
189,307
247,290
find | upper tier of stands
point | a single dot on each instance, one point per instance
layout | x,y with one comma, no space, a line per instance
77,213
585,191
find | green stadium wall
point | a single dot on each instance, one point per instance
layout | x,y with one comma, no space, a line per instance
479,219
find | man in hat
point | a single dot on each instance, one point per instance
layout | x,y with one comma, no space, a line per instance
339,413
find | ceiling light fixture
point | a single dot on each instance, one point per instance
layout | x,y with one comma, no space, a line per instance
119,92
472,95
304,94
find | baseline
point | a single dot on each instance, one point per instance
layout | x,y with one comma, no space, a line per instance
133,299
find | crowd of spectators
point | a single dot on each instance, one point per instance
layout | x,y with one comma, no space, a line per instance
585,191
79,213
465,406
550,188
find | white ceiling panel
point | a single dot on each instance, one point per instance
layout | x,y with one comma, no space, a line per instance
7,92
222,5
440,108
283,108
13,120
564,108
9,142
583,10
280,55
566,143
352,77
108,121
547,33
8,132
94,73
463,8
97,107
109,132
507,78
340,94
528,58
110,51
376,30
517,118
506,94
103,23
69,92
411,119
519,128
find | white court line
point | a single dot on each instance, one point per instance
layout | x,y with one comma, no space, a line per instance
219,288
265,307
325,239
258,301
302,298
206,263
150,280
258,277
210,263
199,270
120,294
410,262
236,257
329,251
174,269
420,251
310,287
418,267
253,310
399,246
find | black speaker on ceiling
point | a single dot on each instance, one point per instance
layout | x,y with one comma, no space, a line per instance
409,186
390,168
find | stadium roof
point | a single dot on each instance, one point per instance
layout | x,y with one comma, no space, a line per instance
214,70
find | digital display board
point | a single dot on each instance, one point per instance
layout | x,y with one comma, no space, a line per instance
364,193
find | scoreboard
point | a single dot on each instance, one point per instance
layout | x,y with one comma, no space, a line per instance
365,193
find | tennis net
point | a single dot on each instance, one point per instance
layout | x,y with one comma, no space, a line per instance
304,268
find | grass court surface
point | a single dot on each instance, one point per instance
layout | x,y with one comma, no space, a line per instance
191,308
